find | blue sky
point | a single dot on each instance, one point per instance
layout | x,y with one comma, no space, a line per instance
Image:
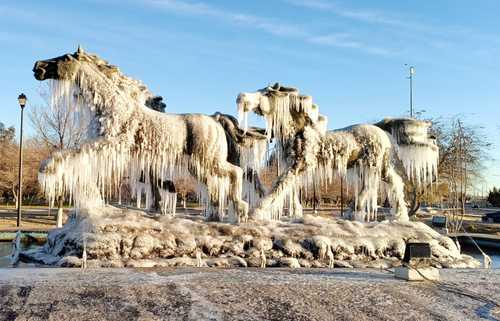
349,55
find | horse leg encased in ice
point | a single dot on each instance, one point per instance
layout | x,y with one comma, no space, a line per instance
360,214
209,194
235,175
287,184
271,206
295,208
395,191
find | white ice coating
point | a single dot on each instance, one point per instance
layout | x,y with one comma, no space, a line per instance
420,162
277,108
254,156
416,150
358,154
127,139
362,154
280,107
168,202
127,238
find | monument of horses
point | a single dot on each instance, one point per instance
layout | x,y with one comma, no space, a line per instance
126,139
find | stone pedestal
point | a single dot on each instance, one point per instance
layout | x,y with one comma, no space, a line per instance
424,273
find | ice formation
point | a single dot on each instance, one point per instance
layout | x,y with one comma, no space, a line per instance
417,149
283,108
122,237
365,155
167,195
247,149
125,139
288,116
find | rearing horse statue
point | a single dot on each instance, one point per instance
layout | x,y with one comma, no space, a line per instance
125,138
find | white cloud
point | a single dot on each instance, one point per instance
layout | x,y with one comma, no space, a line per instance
264,24
364,15
342,40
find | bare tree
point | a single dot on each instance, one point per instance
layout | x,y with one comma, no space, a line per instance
34,152
462,151
184,187
57,125
8,163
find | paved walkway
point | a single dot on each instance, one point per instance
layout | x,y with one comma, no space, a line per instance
32,219
244,294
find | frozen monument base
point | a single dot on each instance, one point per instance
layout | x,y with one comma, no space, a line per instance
116,237
417,274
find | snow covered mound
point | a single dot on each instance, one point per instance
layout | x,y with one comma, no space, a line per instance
115,237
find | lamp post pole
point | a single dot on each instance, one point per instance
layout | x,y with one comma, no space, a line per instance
412,72
22,103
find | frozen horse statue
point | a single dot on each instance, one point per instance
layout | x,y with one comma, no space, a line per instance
296,127
390,152
125,138
365,154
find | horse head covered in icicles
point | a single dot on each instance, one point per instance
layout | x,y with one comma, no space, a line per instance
126,139
285,110
365,155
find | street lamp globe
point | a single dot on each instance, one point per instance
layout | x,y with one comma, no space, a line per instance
22,100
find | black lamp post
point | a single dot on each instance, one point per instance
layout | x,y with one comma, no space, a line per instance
22,102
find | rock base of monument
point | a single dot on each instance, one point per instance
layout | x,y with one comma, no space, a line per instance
427,273
117,237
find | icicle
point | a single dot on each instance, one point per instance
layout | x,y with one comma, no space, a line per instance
420,163
416,150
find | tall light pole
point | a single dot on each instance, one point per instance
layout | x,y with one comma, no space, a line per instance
411,71
22,102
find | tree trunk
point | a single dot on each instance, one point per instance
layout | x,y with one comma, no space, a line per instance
15,195
414,202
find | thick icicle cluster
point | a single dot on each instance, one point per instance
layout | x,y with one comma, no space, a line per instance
279,106
416,149
420,163
356,153
253,159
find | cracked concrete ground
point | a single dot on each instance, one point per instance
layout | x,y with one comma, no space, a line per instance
244,294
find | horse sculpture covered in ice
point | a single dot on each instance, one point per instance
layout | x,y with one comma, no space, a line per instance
365,154
295,125
370,154
125,138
